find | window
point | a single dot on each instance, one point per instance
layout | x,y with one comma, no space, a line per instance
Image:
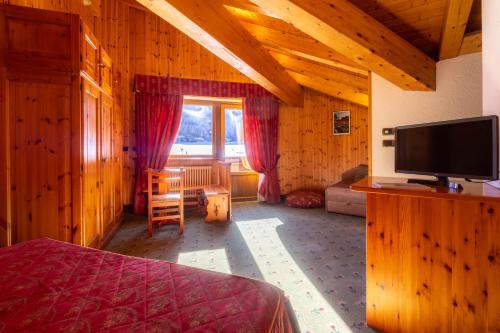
195,133
210,128
233,121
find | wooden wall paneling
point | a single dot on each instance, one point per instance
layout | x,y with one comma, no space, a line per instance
40,120
244,186
230,41
311,156
160,49
91,164
120,27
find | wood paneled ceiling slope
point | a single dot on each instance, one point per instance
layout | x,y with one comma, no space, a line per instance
329,45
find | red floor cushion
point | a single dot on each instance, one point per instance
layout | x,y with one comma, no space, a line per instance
305,199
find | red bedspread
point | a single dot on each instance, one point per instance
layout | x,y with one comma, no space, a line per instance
51,286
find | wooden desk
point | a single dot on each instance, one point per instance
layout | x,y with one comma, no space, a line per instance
217,202
433,258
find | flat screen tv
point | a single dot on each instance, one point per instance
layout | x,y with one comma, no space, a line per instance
464,148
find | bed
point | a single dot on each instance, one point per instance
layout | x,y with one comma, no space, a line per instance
52,286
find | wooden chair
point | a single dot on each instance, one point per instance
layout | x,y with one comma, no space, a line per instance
165,198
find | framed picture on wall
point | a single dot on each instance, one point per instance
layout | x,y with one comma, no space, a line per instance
341,122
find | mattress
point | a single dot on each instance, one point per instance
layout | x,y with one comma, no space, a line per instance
51,286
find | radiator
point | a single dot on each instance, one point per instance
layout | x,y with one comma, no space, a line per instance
195,177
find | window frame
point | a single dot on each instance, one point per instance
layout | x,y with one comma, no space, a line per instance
218,126
204,103
223,108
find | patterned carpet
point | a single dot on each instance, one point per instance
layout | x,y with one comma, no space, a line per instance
317,258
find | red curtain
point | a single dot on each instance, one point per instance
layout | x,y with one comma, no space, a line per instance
158,119
159,109
260,126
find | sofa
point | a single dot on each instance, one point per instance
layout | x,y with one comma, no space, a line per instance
340,199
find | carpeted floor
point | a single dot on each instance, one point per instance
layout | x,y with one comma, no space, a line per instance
317,258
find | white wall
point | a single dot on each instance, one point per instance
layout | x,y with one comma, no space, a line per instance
491,59
491,56
458,95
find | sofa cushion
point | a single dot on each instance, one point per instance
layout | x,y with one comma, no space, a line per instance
341,194
305,199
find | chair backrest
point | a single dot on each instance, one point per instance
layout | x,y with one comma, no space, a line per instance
165,180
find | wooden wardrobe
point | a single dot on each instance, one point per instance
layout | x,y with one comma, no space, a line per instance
60,131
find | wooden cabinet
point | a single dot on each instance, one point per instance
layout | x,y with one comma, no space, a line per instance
432,257
59,147
106,72
40,154
106,185
90,59
91,165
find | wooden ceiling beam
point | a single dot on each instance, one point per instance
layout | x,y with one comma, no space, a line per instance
303,46
248,6
321,60
456,18
332,88
210,24
330,74
348,30
472,43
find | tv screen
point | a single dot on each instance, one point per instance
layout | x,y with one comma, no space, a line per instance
465,148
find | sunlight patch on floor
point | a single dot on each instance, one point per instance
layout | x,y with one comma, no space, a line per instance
212,259
278,267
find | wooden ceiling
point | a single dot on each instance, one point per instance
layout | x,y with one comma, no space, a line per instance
329,45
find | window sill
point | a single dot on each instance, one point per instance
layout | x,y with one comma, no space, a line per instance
187,158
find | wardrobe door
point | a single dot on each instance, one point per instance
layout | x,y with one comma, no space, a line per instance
40,40
107,199
91,165
90,54
117,139
106,74
40,156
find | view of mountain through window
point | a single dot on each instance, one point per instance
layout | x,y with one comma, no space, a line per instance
234,146
195,133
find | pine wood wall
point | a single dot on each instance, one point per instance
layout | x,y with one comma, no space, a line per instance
141,43
311,156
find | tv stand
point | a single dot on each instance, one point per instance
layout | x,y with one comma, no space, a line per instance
432,248
440,181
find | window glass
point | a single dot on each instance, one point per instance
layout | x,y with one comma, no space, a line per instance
195,134
234,146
